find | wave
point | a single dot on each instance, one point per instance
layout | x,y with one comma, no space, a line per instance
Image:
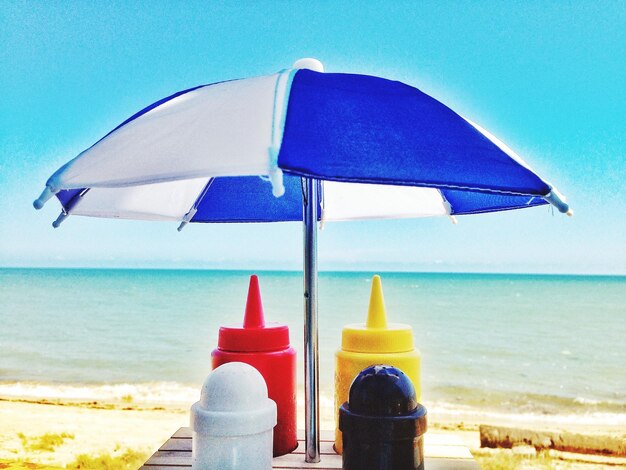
149,393
583,417
527,402
490,408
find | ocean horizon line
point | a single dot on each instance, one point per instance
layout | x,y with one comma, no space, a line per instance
321,271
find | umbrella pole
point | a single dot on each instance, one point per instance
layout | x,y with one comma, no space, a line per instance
311,370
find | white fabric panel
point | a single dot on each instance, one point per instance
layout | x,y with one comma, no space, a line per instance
159,201
218,130
353,201
170,201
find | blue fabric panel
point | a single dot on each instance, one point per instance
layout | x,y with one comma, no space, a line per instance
65,196
367,129
475,202
250,199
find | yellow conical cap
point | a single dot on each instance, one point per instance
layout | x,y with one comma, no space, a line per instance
377,314
376,335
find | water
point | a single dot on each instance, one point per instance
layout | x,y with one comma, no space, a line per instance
524,343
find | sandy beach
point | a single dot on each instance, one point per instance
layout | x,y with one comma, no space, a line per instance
91,428
54,433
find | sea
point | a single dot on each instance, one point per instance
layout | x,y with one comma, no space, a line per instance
509,344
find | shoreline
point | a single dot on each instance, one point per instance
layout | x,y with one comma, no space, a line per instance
168,396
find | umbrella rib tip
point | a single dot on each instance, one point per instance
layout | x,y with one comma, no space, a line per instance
555,198
62,216
46,194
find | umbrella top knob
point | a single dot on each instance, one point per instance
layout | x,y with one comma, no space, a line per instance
309,63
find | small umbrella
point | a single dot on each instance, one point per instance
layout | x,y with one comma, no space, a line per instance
287,147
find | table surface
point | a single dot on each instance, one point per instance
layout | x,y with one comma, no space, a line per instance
442,451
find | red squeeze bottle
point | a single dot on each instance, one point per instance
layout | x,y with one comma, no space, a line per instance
265,346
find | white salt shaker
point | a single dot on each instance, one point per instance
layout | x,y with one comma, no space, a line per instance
233,421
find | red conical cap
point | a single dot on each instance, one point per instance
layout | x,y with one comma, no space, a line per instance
254,335
253,317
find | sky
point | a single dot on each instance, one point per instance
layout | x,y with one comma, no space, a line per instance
548,78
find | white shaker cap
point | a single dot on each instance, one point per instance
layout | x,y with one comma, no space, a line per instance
233,402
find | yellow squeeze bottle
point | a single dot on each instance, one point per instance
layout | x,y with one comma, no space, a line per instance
374,342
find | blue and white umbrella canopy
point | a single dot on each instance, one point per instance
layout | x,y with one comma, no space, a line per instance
217,153
262,149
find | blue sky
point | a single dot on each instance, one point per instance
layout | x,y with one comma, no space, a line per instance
548,78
